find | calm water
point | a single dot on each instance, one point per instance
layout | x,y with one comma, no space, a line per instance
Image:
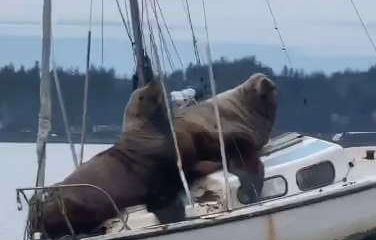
18,167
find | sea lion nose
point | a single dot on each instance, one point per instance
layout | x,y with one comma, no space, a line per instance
266,87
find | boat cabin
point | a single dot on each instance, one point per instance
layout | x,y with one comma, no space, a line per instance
293,164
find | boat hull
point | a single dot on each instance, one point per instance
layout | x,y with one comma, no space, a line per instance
351,215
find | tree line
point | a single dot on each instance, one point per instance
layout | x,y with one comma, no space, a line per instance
311,103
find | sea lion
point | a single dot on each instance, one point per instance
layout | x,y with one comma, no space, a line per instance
139,169
247,114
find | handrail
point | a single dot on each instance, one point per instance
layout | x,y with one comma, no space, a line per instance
81,185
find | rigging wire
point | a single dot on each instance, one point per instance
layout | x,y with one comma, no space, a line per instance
158,58
86,86
170,35
217,114
194,38
127,28
280,36
285,49
143,3
152,45
62,104
128,24
102,32
163,53
161,75
175,140
127,15
163,43
60,94
363,23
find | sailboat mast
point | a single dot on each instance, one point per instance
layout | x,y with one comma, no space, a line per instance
139,48
44,122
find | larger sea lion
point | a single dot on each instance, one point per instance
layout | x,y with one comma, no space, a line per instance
247,114
139,169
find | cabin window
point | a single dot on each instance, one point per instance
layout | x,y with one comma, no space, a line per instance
315,176
275,186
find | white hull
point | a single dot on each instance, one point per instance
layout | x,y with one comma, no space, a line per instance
331,216
332,219
344,209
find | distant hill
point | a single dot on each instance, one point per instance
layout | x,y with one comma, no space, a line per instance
343,101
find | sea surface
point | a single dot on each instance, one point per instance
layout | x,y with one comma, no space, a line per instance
18,165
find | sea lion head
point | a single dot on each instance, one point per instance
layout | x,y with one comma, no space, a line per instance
260,94
146,105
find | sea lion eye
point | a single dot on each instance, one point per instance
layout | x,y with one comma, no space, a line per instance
141,98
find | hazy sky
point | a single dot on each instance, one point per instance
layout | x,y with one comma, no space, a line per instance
314,30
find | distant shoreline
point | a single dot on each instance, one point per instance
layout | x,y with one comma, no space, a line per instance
15,137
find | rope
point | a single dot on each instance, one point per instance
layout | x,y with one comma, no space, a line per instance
363,23
86,87
227,194
62,107
170,35
280,36
194,38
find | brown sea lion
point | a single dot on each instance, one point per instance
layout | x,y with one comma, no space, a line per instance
139,169
247,114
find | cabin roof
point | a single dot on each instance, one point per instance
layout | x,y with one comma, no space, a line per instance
293,153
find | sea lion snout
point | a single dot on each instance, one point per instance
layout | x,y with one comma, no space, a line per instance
145,105
261,92
263,85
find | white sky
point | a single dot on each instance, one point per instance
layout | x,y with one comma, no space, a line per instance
322,28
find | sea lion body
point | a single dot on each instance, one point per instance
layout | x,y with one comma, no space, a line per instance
247,115
139,169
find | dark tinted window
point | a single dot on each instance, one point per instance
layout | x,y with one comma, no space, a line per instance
315,176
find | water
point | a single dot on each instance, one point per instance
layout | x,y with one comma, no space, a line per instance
18,169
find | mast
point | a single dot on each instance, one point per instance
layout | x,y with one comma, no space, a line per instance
139,48
44,122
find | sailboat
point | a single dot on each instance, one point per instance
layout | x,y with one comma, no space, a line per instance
313,189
